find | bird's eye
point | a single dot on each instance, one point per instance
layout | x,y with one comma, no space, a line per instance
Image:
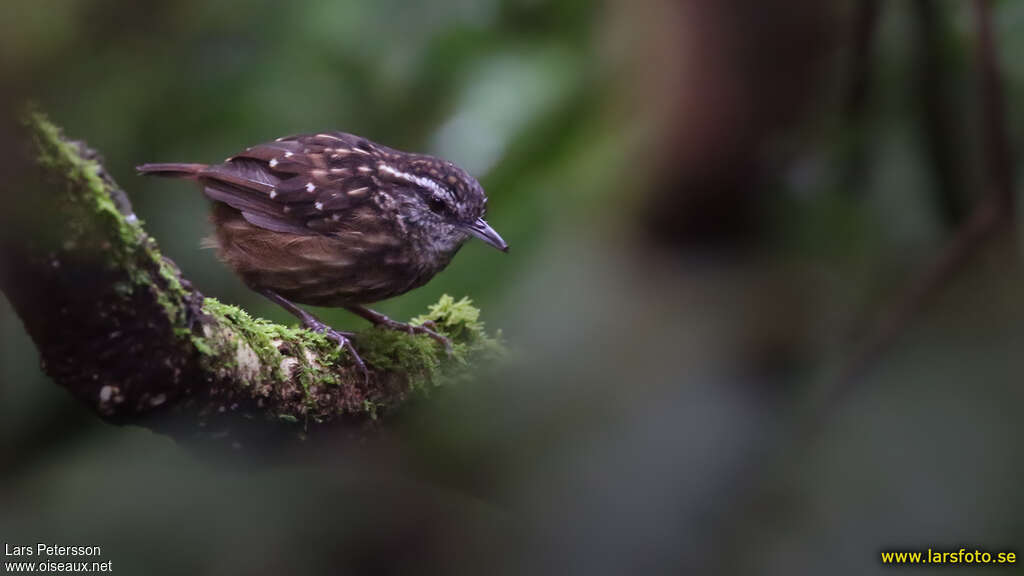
437,204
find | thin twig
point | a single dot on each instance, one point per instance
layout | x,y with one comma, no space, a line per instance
938,124
865,23
858,90
996,144
993,213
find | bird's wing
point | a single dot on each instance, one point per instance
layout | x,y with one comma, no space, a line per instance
307,184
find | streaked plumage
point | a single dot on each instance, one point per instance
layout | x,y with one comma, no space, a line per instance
333,219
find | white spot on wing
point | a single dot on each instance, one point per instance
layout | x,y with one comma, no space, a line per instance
273,162
310,187
273,194
319,205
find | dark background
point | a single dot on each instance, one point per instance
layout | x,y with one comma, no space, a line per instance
735,351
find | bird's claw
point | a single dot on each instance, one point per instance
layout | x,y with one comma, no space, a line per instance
428,328
438,337
344,341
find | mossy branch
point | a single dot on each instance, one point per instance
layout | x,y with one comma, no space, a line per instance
117,325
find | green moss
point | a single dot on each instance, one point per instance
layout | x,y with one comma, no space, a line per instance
240,342
93,217
56,155
418,357
309,359
422,359
168,274
419,361
459,320
306,339
202,346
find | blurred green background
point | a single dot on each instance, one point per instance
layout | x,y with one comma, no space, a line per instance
710,206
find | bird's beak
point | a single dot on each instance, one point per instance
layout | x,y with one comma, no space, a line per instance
483,231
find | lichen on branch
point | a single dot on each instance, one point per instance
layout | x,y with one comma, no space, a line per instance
117,325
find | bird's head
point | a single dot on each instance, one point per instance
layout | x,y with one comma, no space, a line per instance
439,200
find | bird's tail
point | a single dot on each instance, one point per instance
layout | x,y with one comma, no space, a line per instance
172,170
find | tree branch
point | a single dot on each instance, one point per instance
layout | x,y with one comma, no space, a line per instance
117,325
994,212
938,120
999,163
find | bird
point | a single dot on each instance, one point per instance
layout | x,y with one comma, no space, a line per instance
334,219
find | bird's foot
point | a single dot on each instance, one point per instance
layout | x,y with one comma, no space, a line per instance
378,319
343,339
427,328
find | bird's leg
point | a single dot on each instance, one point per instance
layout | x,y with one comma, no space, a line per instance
344,339
378,319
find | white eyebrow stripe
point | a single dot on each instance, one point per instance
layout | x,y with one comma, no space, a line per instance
420,181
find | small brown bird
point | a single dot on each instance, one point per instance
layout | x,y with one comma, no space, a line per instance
333,219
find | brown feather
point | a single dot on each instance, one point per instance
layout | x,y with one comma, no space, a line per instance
333,219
